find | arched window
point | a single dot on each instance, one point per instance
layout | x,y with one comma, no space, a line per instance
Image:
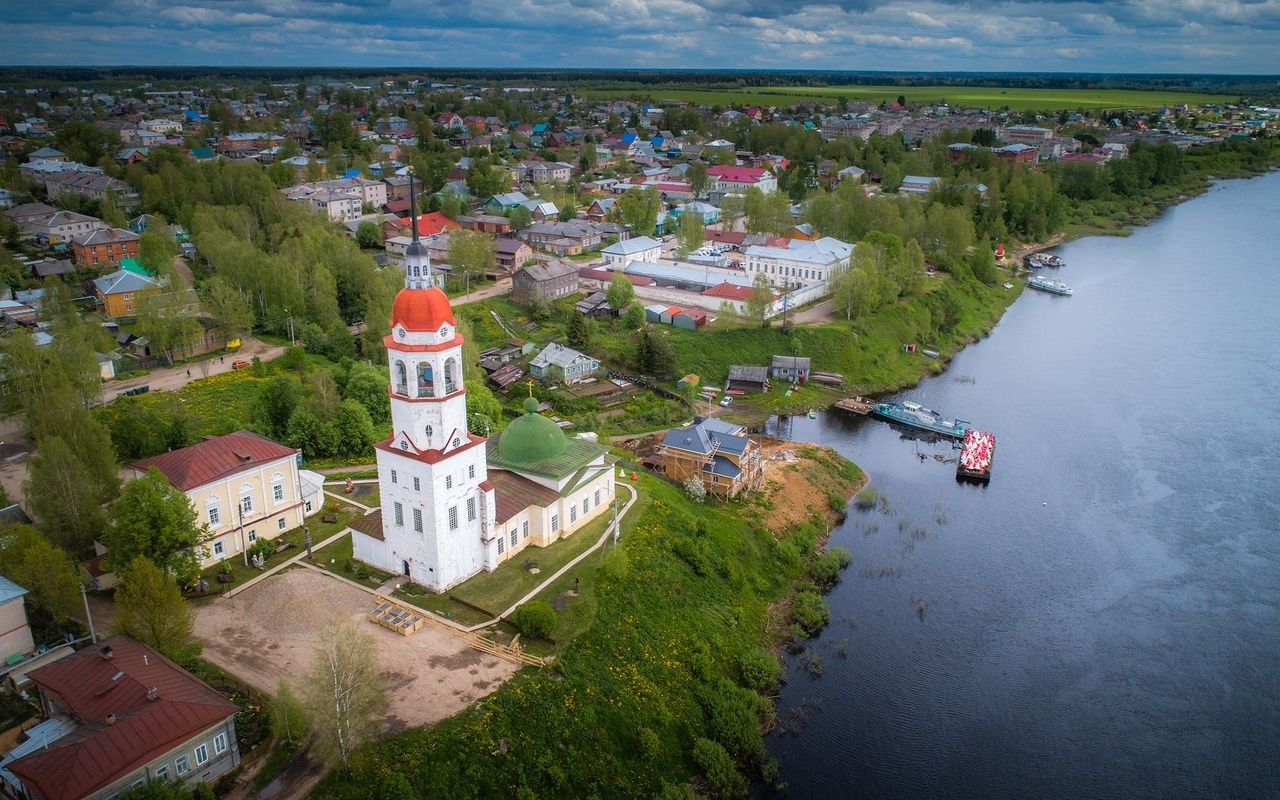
430,430
402,379
426,382
450,376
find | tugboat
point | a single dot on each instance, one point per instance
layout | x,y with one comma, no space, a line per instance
1041,260
1049,285
914,415
976,456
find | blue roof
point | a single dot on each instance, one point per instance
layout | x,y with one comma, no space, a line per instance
351,173
723,466
9,590
191,114
628,138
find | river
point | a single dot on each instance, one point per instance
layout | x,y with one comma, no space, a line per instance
1100,621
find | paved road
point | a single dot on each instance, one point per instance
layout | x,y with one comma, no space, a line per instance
816,315
172,378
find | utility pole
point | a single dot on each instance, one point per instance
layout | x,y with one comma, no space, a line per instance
93,635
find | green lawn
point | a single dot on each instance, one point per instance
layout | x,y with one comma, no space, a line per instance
366,494
1020,99
337,558
319,532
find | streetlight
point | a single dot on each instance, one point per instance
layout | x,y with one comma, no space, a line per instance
292,341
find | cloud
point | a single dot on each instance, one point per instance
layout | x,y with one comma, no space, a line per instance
1040,35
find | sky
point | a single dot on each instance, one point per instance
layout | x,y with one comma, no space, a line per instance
1158,36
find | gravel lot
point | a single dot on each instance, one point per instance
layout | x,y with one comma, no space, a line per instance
269,632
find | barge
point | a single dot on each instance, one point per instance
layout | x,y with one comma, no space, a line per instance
976,456
856,405
914,415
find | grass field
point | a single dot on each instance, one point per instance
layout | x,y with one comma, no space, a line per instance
957,96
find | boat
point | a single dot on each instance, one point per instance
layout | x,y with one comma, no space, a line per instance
914,415
813,414
1049,285
856,405
1041,260
976,455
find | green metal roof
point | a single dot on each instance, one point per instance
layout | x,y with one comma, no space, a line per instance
534,444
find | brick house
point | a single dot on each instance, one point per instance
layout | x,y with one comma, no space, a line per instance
105,248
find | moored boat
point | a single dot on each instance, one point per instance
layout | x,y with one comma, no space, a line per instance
856,405
914,415
1049,285
1041,260
976,456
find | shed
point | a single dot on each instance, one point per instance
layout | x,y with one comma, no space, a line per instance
748,379
790,368
654,313
668,314
688,380
690,319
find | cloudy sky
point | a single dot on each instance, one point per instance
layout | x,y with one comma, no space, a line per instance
1197,36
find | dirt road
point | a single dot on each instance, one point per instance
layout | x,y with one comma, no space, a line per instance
171,378
492,290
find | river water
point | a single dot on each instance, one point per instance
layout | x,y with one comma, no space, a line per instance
1101,621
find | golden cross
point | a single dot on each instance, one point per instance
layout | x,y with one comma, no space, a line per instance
530,387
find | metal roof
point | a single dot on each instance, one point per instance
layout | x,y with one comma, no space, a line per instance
10,590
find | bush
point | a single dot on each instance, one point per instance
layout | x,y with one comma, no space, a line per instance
810,612
262,547
717,767
535,619
758,670
825,572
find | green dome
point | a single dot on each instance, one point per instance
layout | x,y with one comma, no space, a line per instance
532,437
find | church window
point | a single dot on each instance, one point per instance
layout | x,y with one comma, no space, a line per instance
573,514
429,431
416,486
426,383
399,514
246,504
453,518
404,444
393,476
448,481
471,471
450,375
456,441
417,520
402,379
555,522
524,529
585,506
514,538
597,497
215,516
471,509
499,547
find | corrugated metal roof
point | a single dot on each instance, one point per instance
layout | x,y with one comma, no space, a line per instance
513,493
214,459
9,590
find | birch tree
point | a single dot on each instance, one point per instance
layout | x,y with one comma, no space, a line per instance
343,691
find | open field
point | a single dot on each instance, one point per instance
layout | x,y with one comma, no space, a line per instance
958,96
270,631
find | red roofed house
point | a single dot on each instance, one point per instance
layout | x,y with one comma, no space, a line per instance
244,486
433,224
121,715
739,179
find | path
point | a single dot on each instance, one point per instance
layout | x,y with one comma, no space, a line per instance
816,315
498,287
258,579
173,378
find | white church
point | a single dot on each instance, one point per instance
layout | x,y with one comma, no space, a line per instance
454,503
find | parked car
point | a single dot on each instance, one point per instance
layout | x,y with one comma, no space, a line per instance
728,398
239,364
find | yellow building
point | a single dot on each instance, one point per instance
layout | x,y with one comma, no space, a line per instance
715,451
244,486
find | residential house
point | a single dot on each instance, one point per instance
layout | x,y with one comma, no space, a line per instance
105,247
792,369
544,281
547,171
562,238
851,173
15,633
1017,153
601,209
119,715
748,379
398,186
501,203
47,154
639,248
61,227
488,223
799,263
917,184
512,253
559,363
92,186
739,179
243,486
714,451
47,267
1025,134
120,292
595,305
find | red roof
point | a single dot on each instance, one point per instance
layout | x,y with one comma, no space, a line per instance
434,224
215,458
729,291
596,274
120,729
421,310
739,174
397,206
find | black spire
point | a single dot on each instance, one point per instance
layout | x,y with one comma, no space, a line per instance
413,207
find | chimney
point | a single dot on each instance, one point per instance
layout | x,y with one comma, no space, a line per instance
111,719
106,652
152,694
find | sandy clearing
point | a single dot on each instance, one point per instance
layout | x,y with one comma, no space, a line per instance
269,632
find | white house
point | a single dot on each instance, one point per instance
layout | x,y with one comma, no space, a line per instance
637,248
731,179
798,264
454,503
573,366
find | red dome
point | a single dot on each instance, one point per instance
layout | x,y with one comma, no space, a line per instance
421,310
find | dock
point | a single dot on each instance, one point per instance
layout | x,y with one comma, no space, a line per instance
976,456
856,405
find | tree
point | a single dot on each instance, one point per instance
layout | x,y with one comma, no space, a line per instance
695,489
47,572
471,254
343,691
368,235
151,609
156,251
768,213
578,331
288,717
353,429
761,300
169,321
368,385
639,209
567,213
620,292
854,293
698,179
228,305
536,619
633,319
891,178
274,405
155,520
309,434
65,491
692,231
718,768
520,218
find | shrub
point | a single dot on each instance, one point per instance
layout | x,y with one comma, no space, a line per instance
535,619
866,499
650,744
838,503
825,572
262,547
717,767
810,612
758,670
733,717
695,490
